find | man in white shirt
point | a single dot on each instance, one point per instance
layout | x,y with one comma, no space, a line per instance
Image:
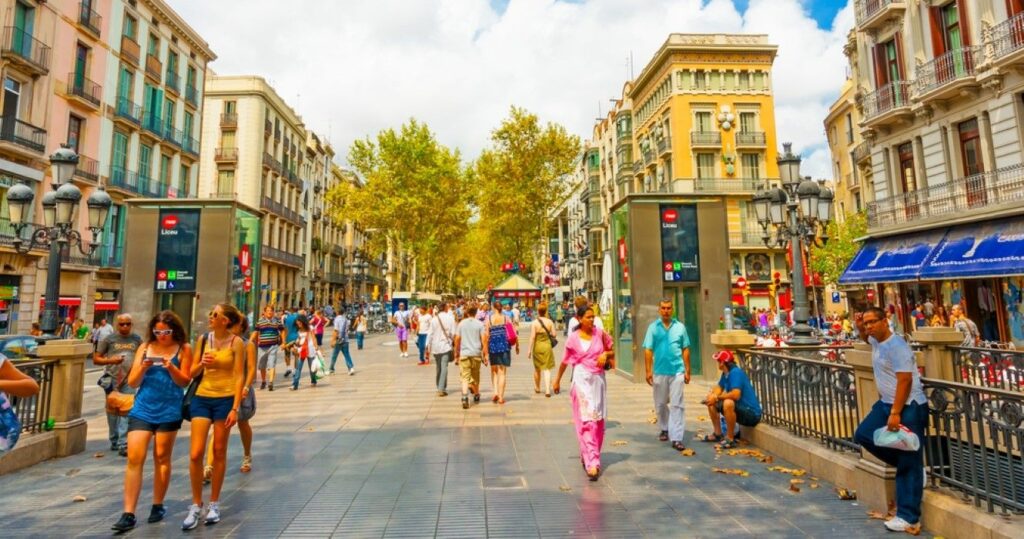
440,339
401,319
515,314
574,322
422,325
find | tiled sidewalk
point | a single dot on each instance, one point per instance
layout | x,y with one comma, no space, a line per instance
379,455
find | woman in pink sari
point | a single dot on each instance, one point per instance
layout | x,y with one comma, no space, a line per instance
589,351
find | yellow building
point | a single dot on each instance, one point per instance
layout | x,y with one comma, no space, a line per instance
700,118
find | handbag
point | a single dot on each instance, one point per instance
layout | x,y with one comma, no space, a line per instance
554,341
120,404
304,351
510,331
10,425
247,409
186,401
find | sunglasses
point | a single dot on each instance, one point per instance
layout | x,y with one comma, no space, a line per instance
163,332
213,314
123,324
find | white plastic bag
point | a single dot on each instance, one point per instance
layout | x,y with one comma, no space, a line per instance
903,439
318,366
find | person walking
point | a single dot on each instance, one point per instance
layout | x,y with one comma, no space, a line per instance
271,336
590,353
965,326
360,329
470,349
218,396
440,340
542,331
318,323
159,373
116,353
247,408
401,319
423,319
901,404
305,351
499,350
667,359
291,332
340,344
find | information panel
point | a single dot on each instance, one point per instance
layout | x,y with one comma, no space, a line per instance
679,247
177,248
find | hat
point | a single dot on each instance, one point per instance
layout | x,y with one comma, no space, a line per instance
723,356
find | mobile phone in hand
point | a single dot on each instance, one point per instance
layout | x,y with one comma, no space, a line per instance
157,361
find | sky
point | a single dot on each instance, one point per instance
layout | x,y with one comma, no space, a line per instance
351,68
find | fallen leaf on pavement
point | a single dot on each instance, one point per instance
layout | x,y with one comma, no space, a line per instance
686,479
731,471
878,515
702,418
652,420
814,485
790,471
752,453
79,498
620,442
794,484
687,452
814,479
98,455
310,429
846,494
564,488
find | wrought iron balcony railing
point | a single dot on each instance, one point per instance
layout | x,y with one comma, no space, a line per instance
20,46
23,134
951,66
81,87
892,96
88,18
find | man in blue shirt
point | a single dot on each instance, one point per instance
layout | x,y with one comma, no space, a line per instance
733,398
667,358
901,404
291,335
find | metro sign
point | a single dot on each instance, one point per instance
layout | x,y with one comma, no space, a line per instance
670,215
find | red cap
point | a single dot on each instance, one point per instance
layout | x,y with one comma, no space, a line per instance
723,356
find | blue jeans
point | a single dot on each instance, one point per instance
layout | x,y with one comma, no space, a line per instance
118,431
298,372
359,339
343,348
421,344
909,464
441,360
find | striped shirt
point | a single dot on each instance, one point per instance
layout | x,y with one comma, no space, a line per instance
270,331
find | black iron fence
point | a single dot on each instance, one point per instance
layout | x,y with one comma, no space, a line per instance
989,367
809,397
34,411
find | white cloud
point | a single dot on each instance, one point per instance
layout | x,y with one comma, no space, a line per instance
353,68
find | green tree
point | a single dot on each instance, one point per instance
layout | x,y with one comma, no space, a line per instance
831,260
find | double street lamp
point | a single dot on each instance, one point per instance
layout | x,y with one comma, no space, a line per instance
60,217
799,211
356,268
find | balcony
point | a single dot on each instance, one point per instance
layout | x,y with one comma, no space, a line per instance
1008,41
278,255
317,187
334,277
25,51
152,126
726,186
861,152
874,14
104,258
268,128
172,135
707,139
178,190
229,119
281,210
153,68
986,193
23,134
88,169
191,96
269,162
664,146
747,236
625,168
84,90
130,51
949,75
132,183
751,139
190,145
172,82
75,258
226,155
338,250
277,135
88,19
8,235
888,104
293,179
128,111
317,214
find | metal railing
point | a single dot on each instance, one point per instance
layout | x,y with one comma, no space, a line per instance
750,138
268,127
866,9
88,168
225,154
132,181
190,144
128,110
23,45
648,157
948,67
86,89
172,135
228,119
34,412
861,151
664,145
335,277
104,259
987,367
281,256
153,66
151,122
172,81
22,133
8,234
705,138
88,18
893,95
1008,36
728,185
191,95
73,257
968,193
749,236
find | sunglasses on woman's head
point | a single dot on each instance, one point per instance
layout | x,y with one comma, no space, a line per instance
163,332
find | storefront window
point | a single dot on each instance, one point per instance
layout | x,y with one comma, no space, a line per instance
623,297
245,263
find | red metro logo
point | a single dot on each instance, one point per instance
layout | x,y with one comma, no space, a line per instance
670,218
168,227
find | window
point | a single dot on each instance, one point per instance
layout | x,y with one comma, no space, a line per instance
227,139
146,161
951,37
970,147
165,169
81,66
744,81
125,83
705,165
113,237
849,128
187,126
21,39
748,122
856,201
12,99
169,114
907,176
703,121
184,173
226,182
750,165
757,80
699,82
130,27
230,107
74,131
153,47
152,101
191,77
172,63
120,156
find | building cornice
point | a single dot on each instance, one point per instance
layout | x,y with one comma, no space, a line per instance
168,16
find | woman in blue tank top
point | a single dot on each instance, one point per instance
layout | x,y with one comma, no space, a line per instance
160,372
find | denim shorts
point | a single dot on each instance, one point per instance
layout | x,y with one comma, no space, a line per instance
138,424
744,414
501,359
213,408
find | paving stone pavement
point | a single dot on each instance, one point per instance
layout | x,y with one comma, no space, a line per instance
378,454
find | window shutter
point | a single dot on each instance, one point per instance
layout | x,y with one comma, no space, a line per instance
965,27
881,75
935,24
899,56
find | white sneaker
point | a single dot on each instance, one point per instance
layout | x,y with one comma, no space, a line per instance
925,481
351,371
897,524
192,519
213,513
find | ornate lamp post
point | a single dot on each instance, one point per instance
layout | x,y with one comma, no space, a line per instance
60,215
799,210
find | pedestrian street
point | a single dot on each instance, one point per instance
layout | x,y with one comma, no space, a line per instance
379,454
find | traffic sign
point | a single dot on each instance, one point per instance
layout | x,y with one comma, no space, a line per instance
741,283
835,297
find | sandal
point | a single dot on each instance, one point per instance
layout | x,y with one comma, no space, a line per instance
678,446
246,464
663,436
711,438
593,475
727,444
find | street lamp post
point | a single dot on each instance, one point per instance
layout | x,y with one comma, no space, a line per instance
60,215
800,210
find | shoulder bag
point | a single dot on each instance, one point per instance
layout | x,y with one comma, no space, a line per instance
554,341
510,331
186,401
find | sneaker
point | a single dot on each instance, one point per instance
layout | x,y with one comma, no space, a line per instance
213,513
263,385
330,372
293,388
122,451
476,397
270,387
442,393
192,519
113,446
125,523
465,402
156,513
351,371
897,524
288,373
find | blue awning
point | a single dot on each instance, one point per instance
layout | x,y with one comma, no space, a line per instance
990,249
898,258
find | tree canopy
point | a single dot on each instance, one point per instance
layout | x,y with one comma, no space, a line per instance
831,260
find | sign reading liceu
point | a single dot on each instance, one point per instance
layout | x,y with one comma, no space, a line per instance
679,246
177,248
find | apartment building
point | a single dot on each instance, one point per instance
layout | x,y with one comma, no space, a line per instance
254,149
941,97
569,238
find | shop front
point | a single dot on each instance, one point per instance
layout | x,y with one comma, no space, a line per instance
979,266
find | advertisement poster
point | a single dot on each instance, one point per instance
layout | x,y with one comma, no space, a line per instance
177,248
679,247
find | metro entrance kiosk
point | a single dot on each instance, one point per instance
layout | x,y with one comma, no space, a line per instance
674,247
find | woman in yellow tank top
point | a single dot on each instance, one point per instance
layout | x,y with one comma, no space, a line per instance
216,402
